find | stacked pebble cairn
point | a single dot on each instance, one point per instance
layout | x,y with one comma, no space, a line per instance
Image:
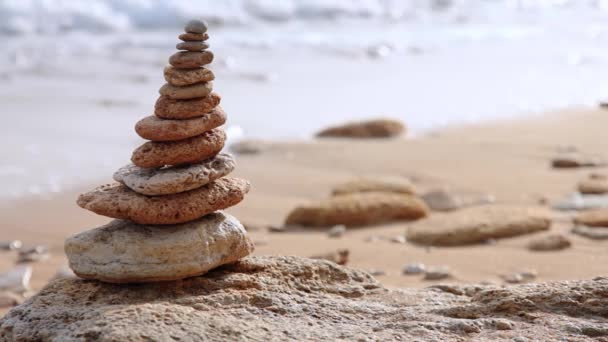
167,225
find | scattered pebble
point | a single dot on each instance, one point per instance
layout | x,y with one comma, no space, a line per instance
38,253
520,277
575,160
398,239
337,231
11,245
554,242
277,229
577,201
437,273
16,280
415,268
377,273
594,233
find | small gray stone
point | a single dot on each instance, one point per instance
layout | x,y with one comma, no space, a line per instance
16,280
594,233
577,201
337,231
38,253
520,277
11,245
415,268
437,273
196,26
553,242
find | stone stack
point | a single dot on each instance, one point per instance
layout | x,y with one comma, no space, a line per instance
166,202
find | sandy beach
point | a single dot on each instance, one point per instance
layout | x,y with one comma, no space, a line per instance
507,159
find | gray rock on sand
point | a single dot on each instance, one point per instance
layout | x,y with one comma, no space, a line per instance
176,179
577,201
446,200
16,280
11,245
477,225
33,254
336,231
554,242
196,26
593,233
520,277
125,252
414,268
291,299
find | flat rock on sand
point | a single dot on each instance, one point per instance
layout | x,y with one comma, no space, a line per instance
176,179
184,77
380,184
593,186
192,150
379,128
272,298
593,218
190,59
477,225
553,242
188,92
125,252
358,209
157,129
118,201
166,108
575,160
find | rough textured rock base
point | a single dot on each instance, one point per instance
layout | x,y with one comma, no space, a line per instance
288,298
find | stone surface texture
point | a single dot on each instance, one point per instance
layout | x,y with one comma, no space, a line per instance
379,128
184,77
166,108
155,129
295,299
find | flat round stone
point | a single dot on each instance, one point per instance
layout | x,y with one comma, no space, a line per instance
166,108
184,77
118,201
191,59
174,179
192,46
193,37
196,26
192,150
186,92
157,129
126,252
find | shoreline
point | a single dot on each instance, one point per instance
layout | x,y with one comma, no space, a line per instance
508,159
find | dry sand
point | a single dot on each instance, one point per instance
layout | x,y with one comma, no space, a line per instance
510,160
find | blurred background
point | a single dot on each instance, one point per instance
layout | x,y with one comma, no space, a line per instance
76,75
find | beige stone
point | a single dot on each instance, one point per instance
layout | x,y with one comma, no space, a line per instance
166,108
192,46
593,218
174,179
379,184
593,186
192,150
378,128
358,209
193,37
184,77
295,299
118,201
554,242
190,59
157,129
193,91
477,225
126,252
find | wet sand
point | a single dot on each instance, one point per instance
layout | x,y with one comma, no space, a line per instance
508,159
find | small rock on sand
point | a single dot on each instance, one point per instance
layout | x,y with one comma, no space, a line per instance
400,239
415,268
593,233
553,242
339,257
38,253
378,128
477,225
379,184
358,209
16,280
437,273
575,160
445,200
520,277
336,231
11,245
577,201
593,186
592,218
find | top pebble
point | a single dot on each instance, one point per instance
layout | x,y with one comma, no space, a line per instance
196,26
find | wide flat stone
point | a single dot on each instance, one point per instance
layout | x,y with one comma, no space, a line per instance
190,59
157,129
184,77
193,37
477,225
118,201
188,92
376,128
126,252
192,150
192,46
166,108
175,179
